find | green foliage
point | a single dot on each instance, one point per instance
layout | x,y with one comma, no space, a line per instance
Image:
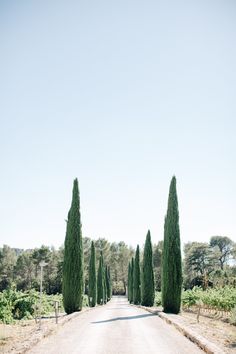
171,257
148,289
200,262
108,283
100,281
219,299
131,297
8,260
118,258
22,266
73,283
157,300
85,301
129,280
224,247
191,297
92,290
17,305
104,285
118,288
137,278
157,256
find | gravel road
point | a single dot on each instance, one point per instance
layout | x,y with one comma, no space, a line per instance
116,328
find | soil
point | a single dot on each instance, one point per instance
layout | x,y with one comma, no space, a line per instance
217,330
19,337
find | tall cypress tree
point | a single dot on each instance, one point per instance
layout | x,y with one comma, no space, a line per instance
171,256
108,283
148,289
129,282
137,279
92,289
100,282
104,283
131,299
73,282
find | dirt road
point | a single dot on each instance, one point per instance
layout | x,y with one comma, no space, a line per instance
117,328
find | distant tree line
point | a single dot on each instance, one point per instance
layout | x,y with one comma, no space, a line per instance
21,268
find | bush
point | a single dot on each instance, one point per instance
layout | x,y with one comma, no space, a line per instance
157,300
17,305
191,297
85,301
221,299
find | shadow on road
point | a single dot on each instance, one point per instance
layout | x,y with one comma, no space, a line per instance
124,318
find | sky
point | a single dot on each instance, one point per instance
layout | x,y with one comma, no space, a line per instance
122,95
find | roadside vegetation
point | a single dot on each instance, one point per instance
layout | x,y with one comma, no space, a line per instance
18,305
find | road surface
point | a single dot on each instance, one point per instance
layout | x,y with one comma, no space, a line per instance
116,328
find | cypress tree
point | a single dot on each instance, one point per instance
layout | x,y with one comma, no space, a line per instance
104,284
137,279
100,282
92,289
148,289
129,282
171,256
131,299
73,282
108,284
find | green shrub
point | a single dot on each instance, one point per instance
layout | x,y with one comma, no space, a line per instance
17,305
191,297
157,300
85,301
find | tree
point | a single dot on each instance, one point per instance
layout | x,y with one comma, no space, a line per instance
137,279
200,262
52,284
104,283
87,253
38,255
73,283
171,257
100,281
131,298
224,245
157,255
120,254
148,289
108,283
92,289
129,280
8,260
24,271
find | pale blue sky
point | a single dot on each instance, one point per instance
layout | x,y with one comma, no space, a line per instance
122,95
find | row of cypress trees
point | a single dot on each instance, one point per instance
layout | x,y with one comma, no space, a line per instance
103,284
141,288
171,264
73,278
